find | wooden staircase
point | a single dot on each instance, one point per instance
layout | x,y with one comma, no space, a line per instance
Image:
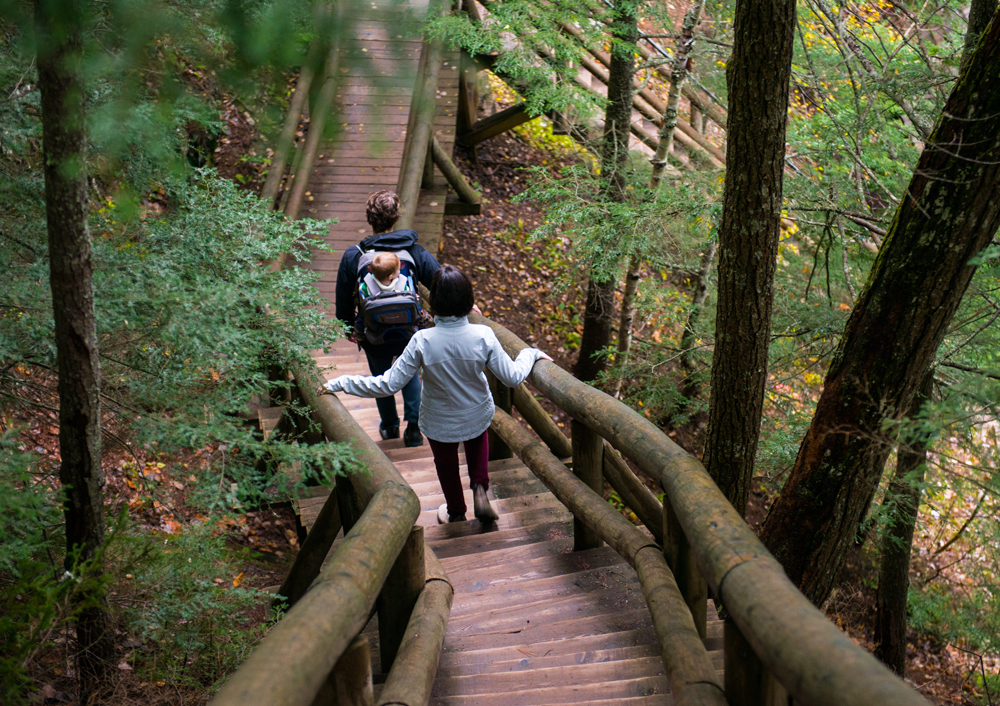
532,621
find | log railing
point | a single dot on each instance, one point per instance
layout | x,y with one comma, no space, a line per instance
382,564
777,644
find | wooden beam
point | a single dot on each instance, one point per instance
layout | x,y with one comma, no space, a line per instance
452,174
486,128
399,594
295,658
633,492
411,171
312,554
588,466
286,140
413,671
455,206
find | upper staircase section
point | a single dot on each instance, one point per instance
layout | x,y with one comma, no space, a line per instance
374,74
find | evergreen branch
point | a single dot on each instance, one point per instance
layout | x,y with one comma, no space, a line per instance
970,369
965,526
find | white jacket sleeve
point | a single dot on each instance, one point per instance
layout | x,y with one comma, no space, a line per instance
388,383
511,372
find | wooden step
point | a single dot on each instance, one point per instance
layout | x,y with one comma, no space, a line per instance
498,539
530,660
562,692
566,676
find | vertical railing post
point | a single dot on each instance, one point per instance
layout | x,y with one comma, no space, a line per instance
747,681
350,682
680,559
503,398
588,466
400,591
427,179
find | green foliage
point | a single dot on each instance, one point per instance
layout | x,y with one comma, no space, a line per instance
541,51
190,322
30,597
179,598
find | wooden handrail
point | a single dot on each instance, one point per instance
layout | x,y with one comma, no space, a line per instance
418,133
295,658
812,658
690,673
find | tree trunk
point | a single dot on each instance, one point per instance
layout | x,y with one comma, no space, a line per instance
950,213
625,322
902,502
757,76
61,83
692,388
600,307
677,75
980,14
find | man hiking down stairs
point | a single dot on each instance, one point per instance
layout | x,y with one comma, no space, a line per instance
382,343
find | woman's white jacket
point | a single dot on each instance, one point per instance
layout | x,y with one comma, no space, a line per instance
455,400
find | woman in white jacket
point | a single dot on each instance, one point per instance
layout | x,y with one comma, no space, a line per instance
455,401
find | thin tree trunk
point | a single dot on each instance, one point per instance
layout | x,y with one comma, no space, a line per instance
626,321
757,76
678,74
599,312
902,502
692,387
684,44
950,213
980,14
61,83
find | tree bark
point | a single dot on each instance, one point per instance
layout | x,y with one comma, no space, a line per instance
692,388
980,14
902,502
626,320
600,307
61,83
949,214
677,75
757,76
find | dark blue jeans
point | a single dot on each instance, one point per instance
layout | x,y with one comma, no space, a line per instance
379,360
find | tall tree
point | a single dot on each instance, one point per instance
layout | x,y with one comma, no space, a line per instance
980,14
948,215
902,502
678,73
757,76
600,306
61,83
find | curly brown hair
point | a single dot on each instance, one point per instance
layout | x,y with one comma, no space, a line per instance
382,211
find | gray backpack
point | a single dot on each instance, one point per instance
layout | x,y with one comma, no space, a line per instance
391,316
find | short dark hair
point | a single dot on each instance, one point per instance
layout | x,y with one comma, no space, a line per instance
382,211
451,292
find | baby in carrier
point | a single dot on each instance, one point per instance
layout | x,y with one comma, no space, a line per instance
385,272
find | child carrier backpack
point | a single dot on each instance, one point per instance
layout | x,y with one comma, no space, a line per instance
391,316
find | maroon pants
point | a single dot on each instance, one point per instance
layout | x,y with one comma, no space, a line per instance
477,453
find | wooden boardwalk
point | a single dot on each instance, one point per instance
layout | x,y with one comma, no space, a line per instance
377,69
532,621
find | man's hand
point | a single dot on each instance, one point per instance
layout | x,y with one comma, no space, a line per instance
352,338
322,390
